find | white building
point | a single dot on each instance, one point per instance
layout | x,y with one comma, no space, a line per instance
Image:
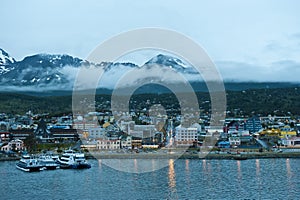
89,144
95,133
14,145
65,120
186,136
104,144
82,125
149,128
235,141
127,127
293,141
126,142
198,126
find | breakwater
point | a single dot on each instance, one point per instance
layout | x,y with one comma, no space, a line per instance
209,156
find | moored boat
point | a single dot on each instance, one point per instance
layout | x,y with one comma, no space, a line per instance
73,160
48,162
29,164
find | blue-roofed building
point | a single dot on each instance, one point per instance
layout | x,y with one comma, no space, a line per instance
224,144
253,124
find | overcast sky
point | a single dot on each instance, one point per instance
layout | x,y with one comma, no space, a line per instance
247,40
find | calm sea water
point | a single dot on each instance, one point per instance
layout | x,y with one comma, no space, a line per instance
181,179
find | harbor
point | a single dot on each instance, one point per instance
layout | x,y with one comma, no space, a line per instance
190,155
180,179
68,160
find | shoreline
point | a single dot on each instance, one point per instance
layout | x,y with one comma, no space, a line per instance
9,158
210,156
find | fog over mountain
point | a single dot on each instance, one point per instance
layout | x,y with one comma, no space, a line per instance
44,72
58,72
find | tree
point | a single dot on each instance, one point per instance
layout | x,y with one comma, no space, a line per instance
30,143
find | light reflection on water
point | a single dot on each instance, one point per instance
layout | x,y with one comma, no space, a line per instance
289,174
244,178
187,173
135,166
257,167
288,168
172,181
187,169
181,179
238,163
204,165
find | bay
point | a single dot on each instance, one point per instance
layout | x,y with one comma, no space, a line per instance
180,179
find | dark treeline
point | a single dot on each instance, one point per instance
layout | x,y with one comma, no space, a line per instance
280,101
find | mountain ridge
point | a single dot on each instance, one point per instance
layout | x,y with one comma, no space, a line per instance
47,73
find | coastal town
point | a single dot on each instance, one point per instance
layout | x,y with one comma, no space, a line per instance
150,100
100,132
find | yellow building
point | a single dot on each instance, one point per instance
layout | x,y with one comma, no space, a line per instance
106,124
287,132
271,132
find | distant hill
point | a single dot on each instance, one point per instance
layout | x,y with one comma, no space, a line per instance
278,101
240,86
197,86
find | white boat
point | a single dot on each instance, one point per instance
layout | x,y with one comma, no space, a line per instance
29,164
73,160
54,157
48,162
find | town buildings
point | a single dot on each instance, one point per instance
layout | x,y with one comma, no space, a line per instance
107,144
99,132
186,136
14,145
291,142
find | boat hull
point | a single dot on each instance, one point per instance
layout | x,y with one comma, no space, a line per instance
80,166
28,168
50,167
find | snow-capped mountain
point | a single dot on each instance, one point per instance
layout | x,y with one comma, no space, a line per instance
41,70
171,62
58,72
5,62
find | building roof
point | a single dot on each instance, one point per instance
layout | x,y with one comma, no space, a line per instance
224,142
106,124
